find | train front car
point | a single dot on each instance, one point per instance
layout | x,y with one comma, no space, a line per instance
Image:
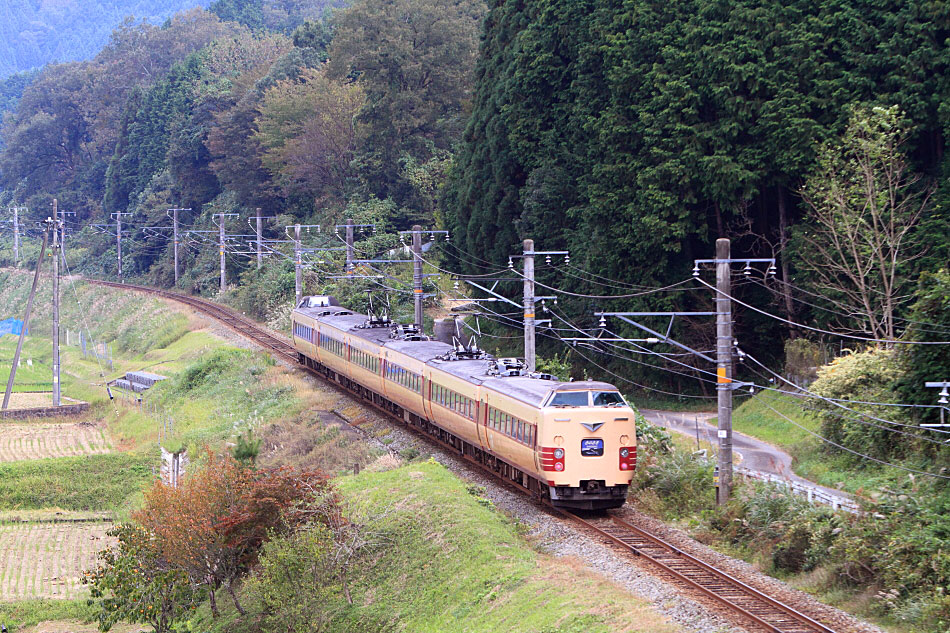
587,446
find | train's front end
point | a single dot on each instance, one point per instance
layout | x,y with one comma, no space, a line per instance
587,446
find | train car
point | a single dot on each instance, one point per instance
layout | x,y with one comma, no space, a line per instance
573,443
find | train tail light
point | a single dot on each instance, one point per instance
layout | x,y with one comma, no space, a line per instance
552,459
628,457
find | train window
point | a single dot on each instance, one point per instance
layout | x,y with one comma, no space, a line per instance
608,399
570,399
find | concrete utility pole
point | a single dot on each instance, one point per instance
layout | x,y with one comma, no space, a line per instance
56,255
221,246
724,366
260,241
298,268
175,240
417,274
26,318
529,355
16,236
118,241
349,244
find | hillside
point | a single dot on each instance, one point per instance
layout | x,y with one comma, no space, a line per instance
36,33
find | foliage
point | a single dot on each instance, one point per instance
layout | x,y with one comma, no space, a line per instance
555,365
213,525
633,131
868,376
413,59
802,358
133,583
929,321
306,128
652,441
864,205
37,34
247,448
680,482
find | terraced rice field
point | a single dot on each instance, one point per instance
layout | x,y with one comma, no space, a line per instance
41,440
46,560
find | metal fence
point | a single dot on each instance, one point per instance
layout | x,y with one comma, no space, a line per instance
814,494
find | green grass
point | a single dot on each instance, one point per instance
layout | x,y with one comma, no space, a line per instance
96,482
18,616
455,563
753,417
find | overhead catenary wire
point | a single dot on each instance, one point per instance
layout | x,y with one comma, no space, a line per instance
814,329
852,314
849,450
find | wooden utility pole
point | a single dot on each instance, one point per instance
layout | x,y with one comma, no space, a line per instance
26,318
529,354
56,256
724,366
118,240
417,274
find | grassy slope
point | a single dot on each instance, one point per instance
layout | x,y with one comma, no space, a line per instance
457,564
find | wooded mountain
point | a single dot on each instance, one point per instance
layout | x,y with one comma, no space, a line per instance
35,32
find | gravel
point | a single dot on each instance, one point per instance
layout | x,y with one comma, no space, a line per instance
561,538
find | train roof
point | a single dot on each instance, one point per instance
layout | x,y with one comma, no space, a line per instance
530,390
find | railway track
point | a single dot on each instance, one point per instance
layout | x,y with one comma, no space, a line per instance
753,605
757,608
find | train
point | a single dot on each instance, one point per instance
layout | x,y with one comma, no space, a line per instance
571,443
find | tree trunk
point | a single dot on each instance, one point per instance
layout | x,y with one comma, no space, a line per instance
213,602
234,598
783,257
719,227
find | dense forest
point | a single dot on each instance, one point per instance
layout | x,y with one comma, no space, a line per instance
631,133
34,33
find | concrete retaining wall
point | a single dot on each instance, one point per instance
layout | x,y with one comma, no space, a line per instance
45,412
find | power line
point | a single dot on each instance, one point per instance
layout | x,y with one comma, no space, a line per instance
829,332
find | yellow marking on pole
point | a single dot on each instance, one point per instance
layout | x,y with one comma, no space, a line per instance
721,372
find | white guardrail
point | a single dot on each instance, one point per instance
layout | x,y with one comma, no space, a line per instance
814,494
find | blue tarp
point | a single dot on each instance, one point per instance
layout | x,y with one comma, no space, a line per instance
11,326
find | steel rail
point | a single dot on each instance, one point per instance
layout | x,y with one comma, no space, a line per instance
714,583
717,584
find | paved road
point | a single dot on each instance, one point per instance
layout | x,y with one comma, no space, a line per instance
755,454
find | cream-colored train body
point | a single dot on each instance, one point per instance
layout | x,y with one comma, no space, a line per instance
571,442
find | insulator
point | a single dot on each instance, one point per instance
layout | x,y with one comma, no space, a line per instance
446,238
431,237
567,258
511,264
944,393
547,260
603,321
696,270
747,270
544,306
455,285
555,300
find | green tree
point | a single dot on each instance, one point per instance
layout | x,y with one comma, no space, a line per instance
132,582
414,59
864,204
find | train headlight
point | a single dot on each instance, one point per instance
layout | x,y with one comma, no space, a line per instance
624,453
559,453
558,466
624,440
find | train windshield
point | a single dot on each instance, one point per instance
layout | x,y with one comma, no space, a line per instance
608,399
587,398
570,399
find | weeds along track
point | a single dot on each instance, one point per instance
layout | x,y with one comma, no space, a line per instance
758,610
